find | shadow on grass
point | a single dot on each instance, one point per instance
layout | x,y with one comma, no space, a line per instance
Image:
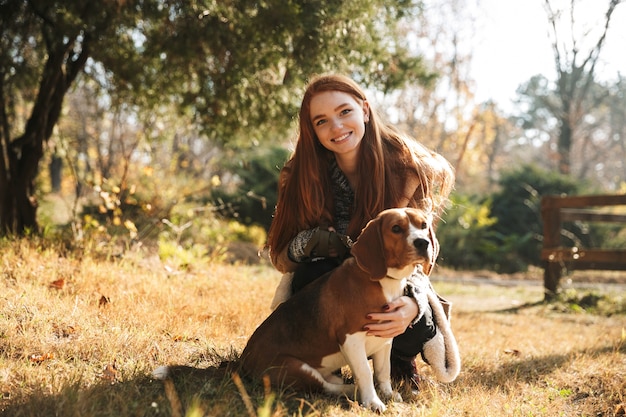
189,391
213,391
518,308
529,370
135,397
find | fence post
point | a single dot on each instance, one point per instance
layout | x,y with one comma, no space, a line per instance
551,215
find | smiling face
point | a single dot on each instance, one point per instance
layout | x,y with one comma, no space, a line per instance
338,120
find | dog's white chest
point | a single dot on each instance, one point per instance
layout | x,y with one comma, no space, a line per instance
392,288
356,344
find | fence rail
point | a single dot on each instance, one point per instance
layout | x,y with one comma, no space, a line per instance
557,209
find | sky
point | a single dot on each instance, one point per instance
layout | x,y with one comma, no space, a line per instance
512,45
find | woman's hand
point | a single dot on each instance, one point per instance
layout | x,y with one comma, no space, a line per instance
394,321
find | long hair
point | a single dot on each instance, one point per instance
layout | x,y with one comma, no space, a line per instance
385,160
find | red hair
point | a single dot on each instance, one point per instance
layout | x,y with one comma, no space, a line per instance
386,160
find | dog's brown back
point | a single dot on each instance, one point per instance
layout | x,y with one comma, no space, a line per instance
312,325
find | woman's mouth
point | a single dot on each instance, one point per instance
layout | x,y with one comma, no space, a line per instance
341,138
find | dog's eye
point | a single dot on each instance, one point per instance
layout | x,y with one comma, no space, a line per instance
424,225
396,229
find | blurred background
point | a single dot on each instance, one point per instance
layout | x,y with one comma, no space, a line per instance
163,124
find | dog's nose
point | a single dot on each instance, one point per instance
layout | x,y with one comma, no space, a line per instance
421,244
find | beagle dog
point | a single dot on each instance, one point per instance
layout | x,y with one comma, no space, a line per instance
320,328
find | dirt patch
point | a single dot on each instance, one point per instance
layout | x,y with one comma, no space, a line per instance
535,274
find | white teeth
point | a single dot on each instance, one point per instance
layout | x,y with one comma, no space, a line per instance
340,138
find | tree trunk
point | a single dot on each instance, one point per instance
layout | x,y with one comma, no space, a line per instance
21,157
574,78
18,211
564,145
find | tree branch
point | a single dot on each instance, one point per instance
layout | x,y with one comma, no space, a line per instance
594,54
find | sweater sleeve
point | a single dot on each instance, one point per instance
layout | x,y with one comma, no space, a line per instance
417,290
296,248
294,253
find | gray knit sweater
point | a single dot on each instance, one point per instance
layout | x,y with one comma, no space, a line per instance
343,198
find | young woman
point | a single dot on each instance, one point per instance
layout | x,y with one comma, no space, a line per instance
347,167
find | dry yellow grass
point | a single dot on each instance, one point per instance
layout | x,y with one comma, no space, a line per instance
80,336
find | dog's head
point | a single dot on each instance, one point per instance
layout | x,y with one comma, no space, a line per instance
396,238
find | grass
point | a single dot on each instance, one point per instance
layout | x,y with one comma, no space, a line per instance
79,336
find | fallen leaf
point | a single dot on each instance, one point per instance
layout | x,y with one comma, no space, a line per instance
63,331
40,358
110,372
513,352
58,284
104,300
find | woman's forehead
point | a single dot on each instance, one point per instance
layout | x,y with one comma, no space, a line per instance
328,101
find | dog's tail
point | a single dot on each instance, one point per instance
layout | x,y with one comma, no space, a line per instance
441,352
225,368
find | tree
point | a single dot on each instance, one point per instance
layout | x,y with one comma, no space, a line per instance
575,69
597,152
444,114
232,66
45,46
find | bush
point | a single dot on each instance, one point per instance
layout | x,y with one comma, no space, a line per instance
517,208
504,231
464,232
251,195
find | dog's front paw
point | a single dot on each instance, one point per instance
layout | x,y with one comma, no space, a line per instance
375,404
395,396
387,393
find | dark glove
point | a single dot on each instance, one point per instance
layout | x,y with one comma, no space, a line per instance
324,242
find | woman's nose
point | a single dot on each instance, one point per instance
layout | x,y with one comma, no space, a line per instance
336,124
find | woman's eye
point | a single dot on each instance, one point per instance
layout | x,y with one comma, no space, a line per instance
320,122
396,229
345,111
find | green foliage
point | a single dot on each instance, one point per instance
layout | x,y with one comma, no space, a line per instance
179,257
242,233
237,66
196,233
504,231
234,68
517,208
468,240
251,196
594,302
464,234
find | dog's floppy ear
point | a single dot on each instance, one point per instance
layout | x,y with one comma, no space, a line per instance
428,266
368,250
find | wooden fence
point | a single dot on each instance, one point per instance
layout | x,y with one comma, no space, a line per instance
554,211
